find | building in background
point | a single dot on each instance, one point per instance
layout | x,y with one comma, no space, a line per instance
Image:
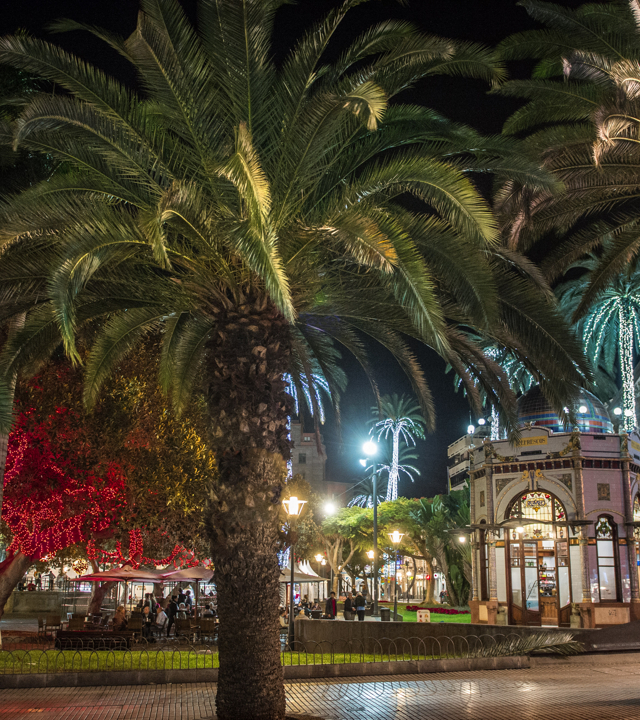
306,460
459,457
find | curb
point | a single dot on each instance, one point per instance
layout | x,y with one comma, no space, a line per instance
291,672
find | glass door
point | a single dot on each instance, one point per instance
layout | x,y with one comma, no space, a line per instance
524,583
530,583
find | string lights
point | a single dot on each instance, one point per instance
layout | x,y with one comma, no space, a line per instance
616,318
50,504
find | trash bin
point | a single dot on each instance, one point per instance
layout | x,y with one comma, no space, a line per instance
316,614
385,614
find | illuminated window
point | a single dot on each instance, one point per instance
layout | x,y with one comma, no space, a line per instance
538,506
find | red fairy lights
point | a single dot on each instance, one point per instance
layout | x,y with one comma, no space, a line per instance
48,503
179,556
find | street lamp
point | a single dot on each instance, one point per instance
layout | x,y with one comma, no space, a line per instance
370,449
293,507
329,507
396,537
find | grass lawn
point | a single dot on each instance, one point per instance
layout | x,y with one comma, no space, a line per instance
56,661
409,616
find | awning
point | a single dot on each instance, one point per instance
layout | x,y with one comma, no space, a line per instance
189,574
298,576
123,574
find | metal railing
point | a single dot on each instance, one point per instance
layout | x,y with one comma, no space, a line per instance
38,655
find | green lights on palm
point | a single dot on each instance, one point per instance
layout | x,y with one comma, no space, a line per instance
611,328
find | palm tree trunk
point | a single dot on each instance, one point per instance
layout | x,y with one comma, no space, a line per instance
249,410
392,488
625,350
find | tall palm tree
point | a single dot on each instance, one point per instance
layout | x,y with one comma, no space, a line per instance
401,419
610,327
362,492
251,215
581,118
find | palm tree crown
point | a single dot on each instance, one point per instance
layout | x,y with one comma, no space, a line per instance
610,328
581,118
401,420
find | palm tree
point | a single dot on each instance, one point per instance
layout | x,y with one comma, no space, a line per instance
401,419
250,215
581,118
362,492
610,327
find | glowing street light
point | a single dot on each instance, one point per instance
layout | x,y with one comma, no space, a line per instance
520,530
396,537
329,508
617,411
481,421
471,429
319,557
370,449
293,506
371,554
582,409
462,539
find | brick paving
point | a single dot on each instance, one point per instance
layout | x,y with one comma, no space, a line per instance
610,692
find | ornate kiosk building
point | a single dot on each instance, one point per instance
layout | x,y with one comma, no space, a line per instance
553,521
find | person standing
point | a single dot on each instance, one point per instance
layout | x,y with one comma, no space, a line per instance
348,607
189,602
361,606
331,606
172,611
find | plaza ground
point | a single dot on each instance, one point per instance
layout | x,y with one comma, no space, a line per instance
566,692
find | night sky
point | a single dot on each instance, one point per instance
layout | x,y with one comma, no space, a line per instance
485,21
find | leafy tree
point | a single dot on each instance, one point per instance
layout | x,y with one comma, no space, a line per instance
342,535
435,520
252,215
401,419
50,503
162,461
400,515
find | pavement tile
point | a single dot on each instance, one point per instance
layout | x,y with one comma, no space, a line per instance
552,693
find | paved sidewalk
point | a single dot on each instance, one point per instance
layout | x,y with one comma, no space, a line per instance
553,693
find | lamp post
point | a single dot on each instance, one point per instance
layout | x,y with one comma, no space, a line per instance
370,449
293,507
396,537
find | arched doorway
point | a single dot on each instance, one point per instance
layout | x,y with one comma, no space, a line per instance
539,574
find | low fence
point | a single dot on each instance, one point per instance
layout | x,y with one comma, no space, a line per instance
38,656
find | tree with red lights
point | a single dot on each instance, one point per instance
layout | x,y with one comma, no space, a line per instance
163,464
49,502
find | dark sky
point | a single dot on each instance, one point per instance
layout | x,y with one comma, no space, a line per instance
485,21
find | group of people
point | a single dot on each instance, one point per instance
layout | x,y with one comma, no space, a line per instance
352,605
357,604
158,616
